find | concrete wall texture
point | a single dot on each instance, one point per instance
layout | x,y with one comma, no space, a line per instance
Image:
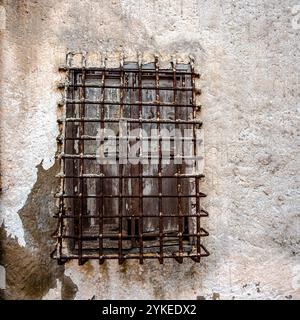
248,55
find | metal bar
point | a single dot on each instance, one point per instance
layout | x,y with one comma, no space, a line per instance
75,163
120,207
134,138
132,70
129,120
101,213
132,196
81,167
161,225
134,187
94,176
116,103
93,157
115,236
198,224
203,214
135,256
141,205
130,87
178,171
62,146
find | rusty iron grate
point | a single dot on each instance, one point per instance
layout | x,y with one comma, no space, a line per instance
110,205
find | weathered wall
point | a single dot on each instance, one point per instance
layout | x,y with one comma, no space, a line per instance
248,55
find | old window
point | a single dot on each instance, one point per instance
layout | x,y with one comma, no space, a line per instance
129,186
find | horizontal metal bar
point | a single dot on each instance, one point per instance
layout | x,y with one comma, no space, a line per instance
128,87
117,236
131,70
130,120
202,214
127,257
137,103
92,176
93,157
91,196
129,138
145,255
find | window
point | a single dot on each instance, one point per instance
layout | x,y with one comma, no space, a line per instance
129,184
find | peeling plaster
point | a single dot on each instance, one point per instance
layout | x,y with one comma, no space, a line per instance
24,114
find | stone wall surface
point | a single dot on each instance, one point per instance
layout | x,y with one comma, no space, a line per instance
248,55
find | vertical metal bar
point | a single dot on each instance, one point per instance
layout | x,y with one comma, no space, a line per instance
120,244
101,208
81,166
161,224
133,168
74,170
178,171
63,181
141,209
75,181
61,222
198,224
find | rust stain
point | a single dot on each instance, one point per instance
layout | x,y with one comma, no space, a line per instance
88,268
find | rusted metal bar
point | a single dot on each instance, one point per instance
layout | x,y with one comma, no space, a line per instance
101,213
198,224
61,213
160,209
81,167
63,148
141,205
121,258
144,176
202,214
161,88
111,120
178,171
116,103
131,70
117,157
129,138
130,196
134,169
72,109
136,256
114,236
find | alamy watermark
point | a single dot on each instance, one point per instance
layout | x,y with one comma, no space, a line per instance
149,147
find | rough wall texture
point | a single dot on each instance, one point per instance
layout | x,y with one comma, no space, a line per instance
248,55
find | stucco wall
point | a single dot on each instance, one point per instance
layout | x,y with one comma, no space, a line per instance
248,55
